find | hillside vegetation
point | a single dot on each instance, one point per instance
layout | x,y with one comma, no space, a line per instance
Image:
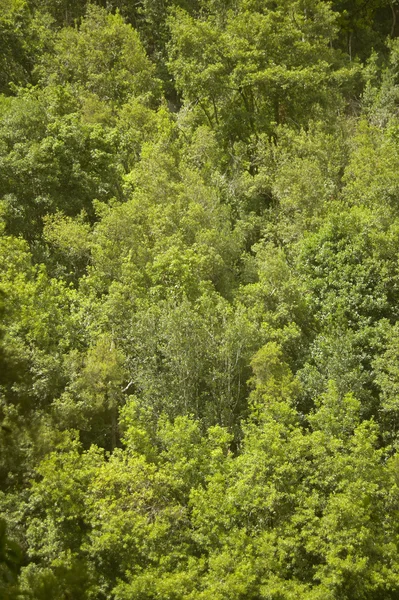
199,299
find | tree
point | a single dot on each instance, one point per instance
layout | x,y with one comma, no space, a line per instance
10,560
259,66
104,57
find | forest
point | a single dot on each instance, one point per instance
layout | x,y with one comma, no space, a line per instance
199,300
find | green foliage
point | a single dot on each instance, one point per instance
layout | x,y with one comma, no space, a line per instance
51,162
68,240
103,57
93,393
24,38
258,67
285,529
10,560
199,300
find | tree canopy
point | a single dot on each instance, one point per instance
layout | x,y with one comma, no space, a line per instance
199,291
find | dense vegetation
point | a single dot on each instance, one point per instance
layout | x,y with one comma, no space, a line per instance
199,297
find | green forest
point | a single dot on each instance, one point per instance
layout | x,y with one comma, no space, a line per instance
199,300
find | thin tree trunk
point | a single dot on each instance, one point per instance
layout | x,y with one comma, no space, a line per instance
350,46
393,19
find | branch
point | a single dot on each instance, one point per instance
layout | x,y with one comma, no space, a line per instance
129,385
